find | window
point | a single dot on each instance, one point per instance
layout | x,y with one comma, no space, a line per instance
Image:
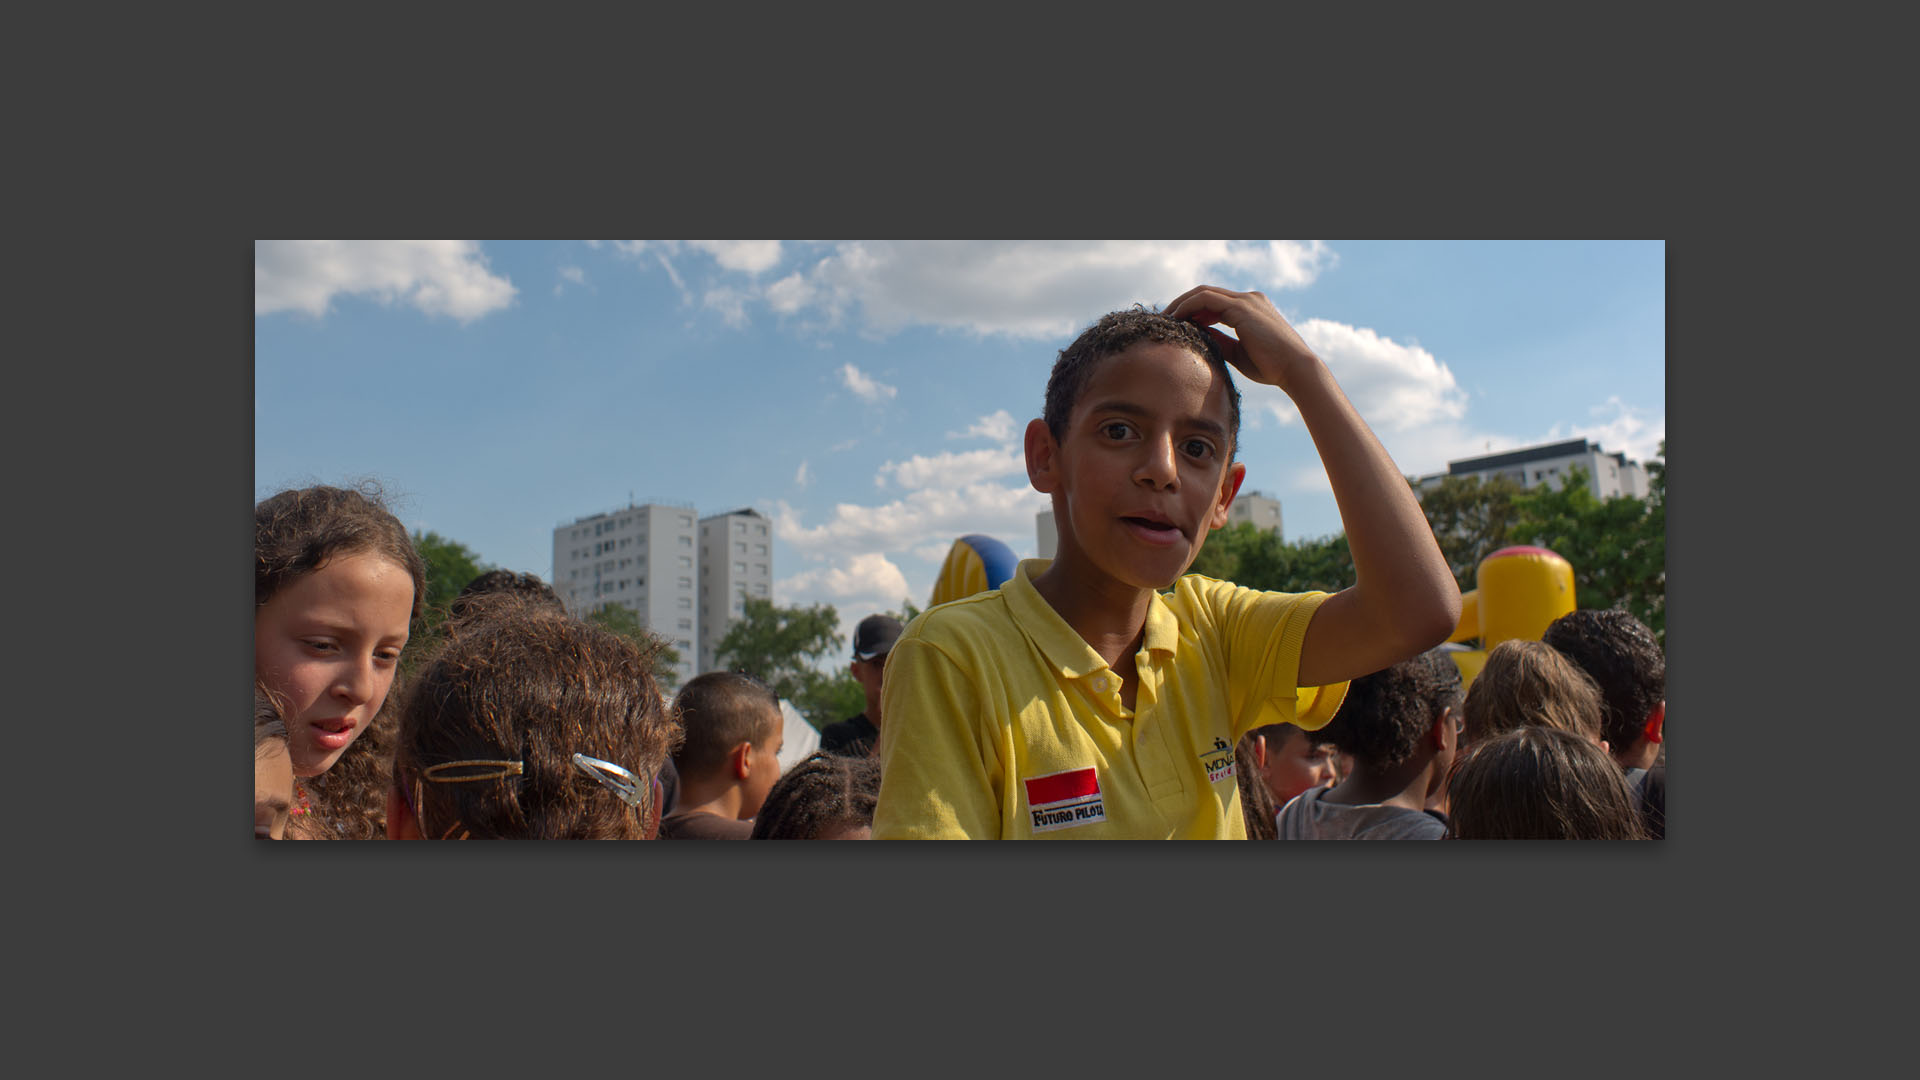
686,541
686,624
686,583
740,527
739,568
686,521
740,548
760,550
760,529
759,589
686,562
759,568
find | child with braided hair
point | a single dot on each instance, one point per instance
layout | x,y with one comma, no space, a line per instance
530,724
827,796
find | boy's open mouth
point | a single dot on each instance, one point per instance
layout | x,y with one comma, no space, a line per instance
1154,529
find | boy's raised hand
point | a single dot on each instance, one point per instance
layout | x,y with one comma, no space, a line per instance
1268,351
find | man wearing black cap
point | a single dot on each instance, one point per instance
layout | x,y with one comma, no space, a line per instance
872,640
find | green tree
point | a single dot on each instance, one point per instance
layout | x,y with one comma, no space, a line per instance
1471,519
1248,555
450,566
1617,545
781,647
623,620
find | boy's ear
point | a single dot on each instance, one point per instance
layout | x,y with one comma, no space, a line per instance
1656,723
1260,751
1236,475
1042,457
740,762
1442,727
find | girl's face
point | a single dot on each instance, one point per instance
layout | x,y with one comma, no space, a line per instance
328,644
1297,765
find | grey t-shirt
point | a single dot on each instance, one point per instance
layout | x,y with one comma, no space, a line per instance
1307,816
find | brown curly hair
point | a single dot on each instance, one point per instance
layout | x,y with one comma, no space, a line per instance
1256,802
534,686
296,532
1623,658
1114,333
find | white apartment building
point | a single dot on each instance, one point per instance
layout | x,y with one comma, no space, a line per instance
736,559
641,556
1608,474
1262,510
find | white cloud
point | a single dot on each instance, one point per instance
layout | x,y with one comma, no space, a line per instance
1395,387
1026,288
865,575
865,387
950,470
997,426
1628,430
803,477
730,303
925,516
438,277
574,274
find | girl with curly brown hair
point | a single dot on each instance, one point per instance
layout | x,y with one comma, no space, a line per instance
528,724
337,588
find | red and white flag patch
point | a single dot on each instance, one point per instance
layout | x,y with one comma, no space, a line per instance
1064,799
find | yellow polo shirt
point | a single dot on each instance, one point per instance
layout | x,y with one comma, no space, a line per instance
1001,721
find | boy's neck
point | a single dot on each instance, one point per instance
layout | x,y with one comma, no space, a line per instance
720,799
1111,617
1405,785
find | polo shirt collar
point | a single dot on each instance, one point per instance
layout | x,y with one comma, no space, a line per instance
1063,647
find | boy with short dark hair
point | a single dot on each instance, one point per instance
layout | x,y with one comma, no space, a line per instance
1402,726
730,760
1076,700
1621,655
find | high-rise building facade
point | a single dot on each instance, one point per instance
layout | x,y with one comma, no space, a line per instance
1608,474
736,561
641,556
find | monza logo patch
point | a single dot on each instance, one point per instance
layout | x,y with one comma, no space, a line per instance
1219,761
1064,799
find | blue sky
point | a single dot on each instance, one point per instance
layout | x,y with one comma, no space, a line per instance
869,396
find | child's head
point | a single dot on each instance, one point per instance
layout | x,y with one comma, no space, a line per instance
1115,333
272,769
337,585
1622,657
1294,761
1136,447
734,731
824,797
1540,783
1389,715
496,582
531,725
1529,682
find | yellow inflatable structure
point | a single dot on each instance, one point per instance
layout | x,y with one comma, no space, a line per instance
1518,593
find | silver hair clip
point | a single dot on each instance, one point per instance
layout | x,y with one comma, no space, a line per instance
630,788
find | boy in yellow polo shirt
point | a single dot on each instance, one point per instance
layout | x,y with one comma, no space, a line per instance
1077,701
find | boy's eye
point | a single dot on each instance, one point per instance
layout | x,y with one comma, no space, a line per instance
1115,430
319,646
1198,448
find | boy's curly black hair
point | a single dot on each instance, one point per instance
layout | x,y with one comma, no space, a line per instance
1385,714
1620,655
1114,333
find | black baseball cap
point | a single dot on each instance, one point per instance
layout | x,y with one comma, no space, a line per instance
875,636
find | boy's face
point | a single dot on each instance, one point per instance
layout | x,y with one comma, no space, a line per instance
1297,764
765,767
1141,475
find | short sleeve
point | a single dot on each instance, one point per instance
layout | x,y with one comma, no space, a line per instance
934,779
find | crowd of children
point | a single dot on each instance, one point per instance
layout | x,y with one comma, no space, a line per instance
1105,693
